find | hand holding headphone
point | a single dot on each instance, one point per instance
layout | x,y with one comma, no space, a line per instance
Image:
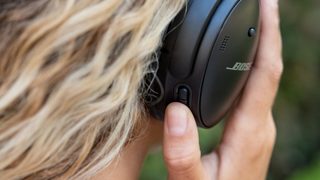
248,138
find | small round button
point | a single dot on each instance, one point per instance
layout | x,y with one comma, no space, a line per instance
252,32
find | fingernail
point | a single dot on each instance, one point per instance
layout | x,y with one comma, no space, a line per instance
177,120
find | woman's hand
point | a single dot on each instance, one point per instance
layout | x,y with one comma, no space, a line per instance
249,135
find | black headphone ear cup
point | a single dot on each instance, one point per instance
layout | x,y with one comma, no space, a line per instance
202,63
188,35
230,60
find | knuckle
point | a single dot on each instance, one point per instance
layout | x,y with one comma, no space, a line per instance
181,164
276,21
275,16
272,130
264,142
276,70
271,135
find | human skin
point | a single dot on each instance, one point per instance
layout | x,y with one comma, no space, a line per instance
249,134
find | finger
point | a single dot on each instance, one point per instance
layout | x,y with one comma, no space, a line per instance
264,79
245,147
249,134
249,117
181,146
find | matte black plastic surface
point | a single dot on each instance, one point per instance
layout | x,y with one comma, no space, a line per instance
223,83
203,63
190,34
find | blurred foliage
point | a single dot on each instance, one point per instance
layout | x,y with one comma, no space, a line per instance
312,172
297,108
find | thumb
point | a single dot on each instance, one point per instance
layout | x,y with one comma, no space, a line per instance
181,145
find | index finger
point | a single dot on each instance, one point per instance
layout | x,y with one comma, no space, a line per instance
249,135
262,85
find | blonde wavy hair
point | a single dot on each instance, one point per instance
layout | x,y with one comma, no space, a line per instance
71,74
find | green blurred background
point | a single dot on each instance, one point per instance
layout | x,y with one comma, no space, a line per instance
297,109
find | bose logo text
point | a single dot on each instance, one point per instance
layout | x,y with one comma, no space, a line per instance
240,67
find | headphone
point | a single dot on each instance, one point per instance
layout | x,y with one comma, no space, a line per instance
206,58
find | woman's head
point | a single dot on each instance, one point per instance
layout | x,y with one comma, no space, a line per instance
71,79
